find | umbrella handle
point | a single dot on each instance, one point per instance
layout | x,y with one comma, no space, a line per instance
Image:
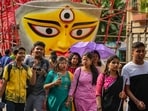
123,88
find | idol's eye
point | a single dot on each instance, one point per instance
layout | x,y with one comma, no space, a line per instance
44,31
81,32
67,15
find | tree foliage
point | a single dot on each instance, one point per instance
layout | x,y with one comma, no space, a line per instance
144,6
115,13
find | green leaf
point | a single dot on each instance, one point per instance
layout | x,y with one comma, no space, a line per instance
144,6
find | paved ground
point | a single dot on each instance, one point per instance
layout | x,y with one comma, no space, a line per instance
124,108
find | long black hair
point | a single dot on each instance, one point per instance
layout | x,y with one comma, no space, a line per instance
106,71
99,63
92,68
71,56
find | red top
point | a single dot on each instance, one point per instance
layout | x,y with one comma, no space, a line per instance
72,69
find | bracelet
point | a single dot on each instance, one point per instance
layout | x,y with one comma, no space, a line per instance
68,101
71,99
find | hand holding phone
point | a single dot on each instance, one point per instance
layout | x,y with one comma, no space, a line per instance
58,81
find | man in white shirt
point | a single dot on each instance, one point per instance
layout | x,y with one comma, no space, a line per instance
136,73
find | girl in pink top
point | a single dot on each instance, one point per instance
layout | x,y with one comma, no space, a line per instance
109,86
86,76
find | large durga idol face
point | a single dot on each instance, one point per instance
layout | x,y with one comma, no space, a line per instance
59,28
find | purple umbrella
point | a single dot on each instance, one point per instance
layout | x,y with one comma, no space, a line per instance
83,47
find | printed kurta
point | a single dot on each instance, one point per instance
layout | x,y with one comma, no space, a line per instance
57,95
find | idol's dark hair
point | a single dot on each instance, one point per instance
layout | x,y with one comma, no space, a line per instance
92,68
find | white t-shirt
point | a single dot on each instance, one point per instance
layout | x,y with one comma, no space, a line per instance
131,69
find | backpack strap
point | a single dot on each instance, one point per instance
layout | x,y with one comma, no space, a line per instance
25,67
10,67
77,82
9,70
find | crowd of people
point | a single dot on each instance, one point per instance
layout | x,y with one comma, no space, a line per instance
73,83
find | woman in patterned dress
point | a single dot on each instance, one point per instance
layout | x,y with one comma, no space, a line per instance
58,82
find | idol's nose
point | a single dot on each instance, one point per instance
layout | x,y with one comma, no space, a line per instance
64,43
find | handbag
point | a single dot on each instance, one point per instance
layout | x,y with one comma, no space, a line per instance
73,103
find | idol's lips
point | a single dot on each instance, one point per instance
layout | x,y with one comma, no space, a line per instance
60,53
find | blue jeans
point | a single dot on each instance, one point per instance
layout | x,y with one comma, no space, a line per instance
11,106
34,102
